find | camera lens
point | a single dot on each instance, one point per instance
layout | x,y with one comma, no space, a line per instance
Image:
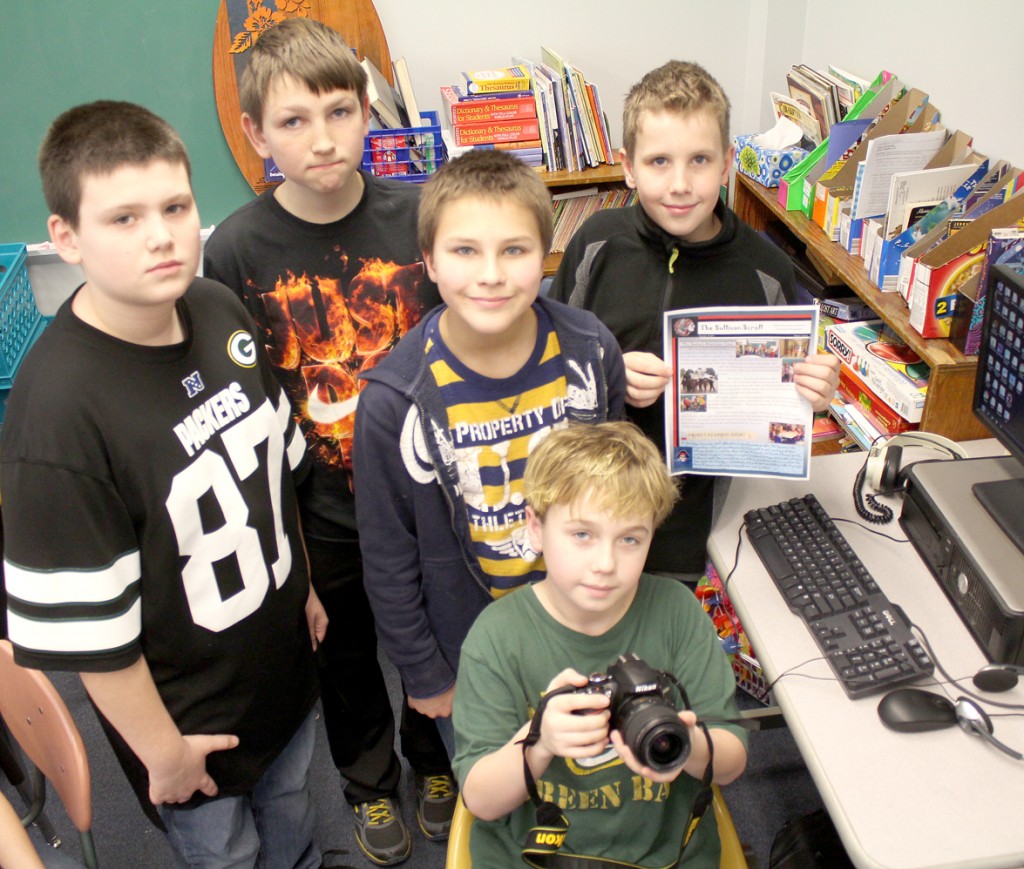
665,749
652,730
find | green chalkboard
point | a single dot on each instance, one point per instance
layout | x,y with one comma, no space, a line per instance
55,54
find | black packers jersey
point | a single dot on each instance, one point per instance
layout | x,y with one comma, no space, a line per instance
149,508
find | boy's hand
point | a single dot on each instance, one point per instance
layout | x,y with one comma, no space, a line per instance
817,378
690,720
574,725
439,706
181,779
316,618
647,376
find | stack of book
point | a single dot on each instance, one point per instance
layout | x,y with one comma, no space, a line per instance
882,382
818,99
547,112
495,109
575,206
845,309
575,123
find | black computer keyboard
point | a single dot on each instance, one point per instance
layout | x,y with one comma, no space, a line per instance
863,635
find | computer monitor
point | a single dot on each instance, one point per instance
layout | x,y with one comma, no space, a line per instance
999,393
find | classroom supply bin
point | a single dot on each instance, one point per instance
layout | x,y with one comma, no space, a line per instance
408,153
750,677
20,320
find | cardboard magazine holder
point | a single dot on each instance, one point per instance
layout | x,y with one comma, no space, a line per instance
944,269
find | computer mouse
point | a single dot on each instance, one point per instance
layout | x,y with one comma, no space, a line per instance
913,710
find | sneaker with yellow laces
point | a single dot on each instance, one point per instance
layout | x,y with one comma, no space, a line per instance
435,805
381,832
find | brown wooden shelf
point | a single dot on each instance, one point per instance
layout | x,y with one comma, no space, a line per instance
606,173
947,408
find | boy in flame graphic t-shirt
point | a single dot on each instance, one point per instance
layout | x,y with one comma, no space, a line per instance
328,266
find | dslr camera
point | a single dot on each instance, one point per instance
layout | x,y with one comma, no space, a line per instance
641,712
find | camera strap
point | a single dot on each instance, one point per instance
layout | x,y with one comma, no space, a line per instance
544,840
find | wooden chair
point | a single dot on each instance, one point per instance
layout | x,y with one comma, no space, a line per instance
41,724
732,851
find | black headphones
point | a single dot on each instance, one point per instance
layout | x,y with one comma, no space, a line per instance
973,719
997,677
883,474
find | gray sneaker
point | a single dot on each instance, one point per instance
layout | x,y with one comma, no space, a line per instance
381,832
435,805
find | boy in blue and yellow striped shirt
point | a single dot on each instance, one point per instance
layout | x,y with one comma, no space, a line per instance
446,422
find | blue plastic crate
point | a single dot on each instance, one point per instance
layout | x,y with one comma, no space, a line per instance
20,320
408,153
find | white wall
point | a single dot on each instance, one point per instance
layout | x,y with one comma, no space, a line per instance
957,52
614,43
962,54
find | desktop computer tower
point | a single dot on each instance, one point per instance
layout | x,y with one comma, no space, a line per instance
977,565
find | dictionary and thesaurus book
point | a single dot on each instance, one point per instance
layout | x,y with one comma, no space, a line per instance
507,78
489,132
478,111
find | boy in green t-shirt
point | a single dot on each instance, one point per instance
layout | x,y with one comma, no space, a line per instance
594,496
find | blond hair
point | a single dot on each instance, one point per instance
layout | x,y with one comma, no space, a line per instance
97,139
612,463
483,174
677,86
306,50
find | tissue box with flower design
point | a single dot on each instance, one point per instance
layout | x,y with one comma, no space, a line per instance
765,165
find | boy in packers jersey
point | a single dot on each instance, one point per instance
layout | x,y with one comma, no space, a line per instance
447,420
150,521
327,264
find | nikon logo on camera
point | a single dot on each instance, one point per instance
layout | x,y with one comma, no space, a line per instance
544,839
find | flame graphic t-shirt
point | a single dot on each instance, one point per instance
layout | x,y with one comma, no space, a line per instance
331,300
494,424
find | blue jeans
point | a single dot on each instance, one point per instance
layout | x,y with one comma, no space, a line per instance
447,733
272,826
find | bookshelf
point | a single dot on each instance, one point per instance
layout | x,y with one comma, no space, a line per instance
604,175
947,409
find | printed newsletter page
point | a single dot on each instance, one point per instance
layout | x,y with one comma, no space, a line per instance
732,407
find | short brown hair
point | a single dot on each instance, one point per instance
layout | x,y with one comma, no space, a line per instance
679,87
486,174
614,463
307,50
97,139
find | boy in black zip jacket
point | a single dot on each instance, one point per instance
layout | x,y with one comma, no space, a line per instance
679,247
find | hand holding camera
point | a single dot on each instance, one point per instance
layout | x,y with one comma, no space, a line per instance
574,723
630,700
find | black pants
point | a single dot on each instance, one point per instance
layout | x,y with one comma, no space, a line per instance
358,717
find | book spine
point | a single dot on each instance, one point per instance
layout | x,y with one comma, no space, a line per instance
871,404
497,131
526,145
841,310
494,81
484,111
461,96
